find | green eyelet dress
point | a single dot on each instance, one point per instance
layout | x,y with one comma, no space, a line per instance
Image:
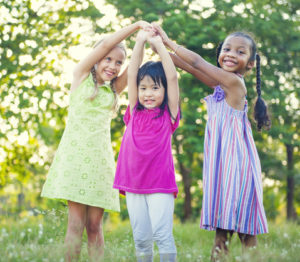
83,168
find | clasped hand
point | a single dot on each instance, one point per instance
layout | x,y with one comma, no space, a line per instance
151,35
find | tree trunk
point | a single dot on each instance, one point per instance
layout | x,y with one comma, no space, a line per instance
291,213
187,208
186,180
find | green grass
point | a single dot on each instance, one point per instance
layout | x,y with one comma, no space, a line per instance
40,238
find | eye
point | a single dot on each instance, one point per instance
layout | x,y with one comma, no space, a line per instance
241,52
119,63
108,59
226,49
155,87
142,88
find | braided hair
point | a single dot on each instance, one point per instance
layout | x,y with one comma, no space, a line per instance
219,48
96,89
261,115
260,109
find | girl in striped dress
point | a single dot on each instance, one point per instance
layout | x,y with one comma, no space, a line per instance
232,184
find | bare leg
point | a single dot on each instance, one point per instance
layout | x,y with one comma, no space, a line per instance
247,240
76,223
94,231
220,247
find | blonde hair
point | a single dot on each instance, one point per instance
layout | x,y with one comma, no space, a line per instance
94,75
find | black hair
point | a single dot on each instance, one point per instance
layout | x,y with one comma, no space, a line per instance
261,115
218,51
156,71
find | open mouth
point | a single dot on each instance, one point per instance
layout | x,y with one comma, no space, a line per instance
109,73
229,63
149,101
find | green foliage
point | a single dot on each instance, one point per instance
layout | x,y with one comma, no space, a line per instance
199,27
35,40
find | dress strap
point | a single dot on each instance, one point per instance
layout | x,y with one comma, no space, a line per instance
218,94
239,75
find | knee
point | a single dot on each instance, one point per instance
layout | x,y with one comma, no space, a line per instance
93,227
248,240
143,246
165,243
75,226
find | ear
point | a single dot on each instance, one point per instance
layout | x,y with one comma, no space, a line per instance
250,65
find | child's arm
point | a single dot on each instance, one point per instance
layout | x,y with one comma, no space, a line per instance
188,68
121,81
192,70
171,75
134,65
228,80
83,68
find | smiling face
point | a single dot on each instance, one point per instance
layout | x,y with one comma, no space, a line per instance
235,54
150,94
109,67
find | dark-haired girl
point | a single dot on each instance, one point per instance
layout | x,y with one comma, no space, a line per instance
83,168
145,169
232,184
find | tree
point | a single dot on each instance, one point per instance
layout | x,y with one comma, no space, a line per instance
200,28
35,40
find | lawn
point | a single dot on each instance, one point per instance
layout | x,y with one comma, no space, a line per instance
40,238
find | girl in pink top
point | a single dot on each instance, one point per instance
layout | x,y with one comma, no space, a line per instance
145,168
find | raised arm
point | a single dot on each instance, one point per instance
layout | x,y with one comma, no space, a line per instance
83,68
217,75
121,81
134,65
192,70
171,74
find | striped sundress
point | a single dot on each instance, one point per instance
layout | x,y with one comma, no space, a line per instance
232,185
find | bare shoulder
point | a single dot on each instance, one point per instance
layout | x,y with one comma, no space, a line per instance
234,85
236,93
77,80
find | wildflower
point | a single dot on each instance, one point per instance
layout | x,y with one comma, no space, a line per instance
4,233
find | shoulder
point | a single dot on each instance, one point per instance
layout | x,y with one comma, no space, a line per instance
79,81
172,120
236,87
217,96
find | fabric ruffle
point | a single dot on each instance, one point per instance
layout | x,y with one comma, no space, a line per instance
218,94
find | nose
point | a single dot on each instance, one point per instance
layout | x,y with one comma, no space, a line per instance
231,53
112,65
148,92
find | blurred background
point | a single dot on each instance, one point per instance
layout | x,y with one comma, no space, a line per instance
41,40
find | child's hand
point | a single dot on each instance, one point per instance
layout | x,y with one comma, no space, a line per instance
154,41
144,25
160,32
143,35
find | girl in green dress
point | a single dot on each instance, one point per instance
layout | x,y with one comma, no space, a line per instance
83,168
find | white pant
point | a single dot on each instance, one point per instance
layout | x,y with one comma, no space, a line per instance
151,218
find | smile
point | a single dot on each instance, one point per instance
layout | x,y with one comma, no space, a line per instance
229,62
109,73
148,101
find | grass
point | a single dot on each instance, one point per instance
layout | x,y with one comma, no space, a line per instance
40,238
